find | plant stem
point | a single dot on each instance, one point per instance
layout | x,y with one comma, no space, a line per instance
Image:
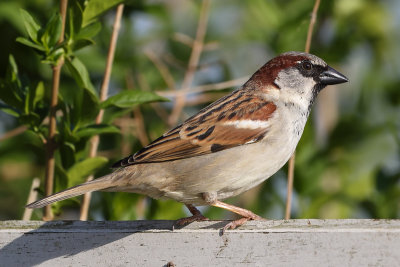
31,198
51,144
94,142
205,88
13,132
292,159
311,26
197,48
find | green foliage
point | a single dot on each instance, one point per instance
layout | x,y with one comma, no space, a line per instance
95,8
130,98
81,170
96,129
78,103
80,73
43,39
20,99
350,168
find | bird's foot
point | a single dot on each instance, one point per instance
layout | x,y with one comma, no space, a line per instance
247,215
194,218
236,223
197,217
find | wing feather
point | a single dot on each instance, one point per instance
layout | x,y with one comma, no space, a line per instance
237,119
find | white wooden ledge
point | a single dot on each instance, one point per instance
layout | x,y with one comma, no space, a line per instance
154,243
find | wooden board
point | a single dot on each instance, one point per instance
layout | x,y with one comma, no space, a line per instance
154,243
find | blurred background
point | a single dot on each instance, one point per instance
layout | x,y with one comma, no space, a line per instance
348,160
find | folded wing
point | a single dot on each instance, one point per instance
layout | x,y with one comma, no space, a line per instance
236,119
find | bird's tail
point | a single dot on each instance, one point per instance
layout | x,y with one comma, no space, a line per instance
94,185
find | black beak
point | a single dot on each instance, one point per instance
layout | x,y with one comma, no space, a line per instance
332,76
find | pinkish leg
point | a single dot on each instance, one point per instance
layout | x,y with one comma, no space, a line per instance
247,215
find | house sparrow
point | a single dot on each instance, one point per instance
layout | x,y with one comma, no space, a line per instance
228,147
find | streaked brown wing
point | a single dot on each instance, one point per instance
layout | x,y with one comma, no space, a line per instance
219,126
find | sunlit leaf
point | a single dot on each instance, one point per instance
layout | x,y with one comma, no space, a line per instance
79,73
130,98
30,25
9,110
90,30
95,8
96,129
81,170
52,31
26,42
39,94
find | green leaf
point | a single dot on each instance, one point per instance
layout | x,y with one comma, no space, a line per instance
81,170
90,106
39,94
89,31
113,113
62,177
13,70
26,42
80,105
74,19
130,98
54,56
35,94
66,134
95,8
9,110
96,129
52,31
27,99
10,88
79,73
81,43
67,153
30,25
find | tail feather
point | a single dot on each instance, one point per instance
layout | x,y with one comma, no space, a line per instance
95,185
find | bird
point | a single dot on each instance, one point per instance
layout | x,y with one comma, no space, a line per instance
228,147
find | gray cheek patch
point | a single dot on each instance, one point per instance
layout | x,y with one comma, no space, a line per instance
293,79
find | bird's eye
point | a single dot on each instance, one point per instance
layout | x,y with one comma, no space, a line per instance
307,65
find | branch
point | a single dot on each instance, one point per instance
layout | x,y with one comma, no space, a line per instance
311,26
292,159
31,198
94,142
51,145
193,62
205,88
137,113
164,71
14,132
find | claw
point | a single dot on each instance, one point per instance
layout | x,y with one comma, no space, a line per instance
236,223
194,218
197,216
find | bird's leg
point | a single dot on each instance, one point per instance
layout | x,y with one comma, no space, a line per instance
197,216
247,215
